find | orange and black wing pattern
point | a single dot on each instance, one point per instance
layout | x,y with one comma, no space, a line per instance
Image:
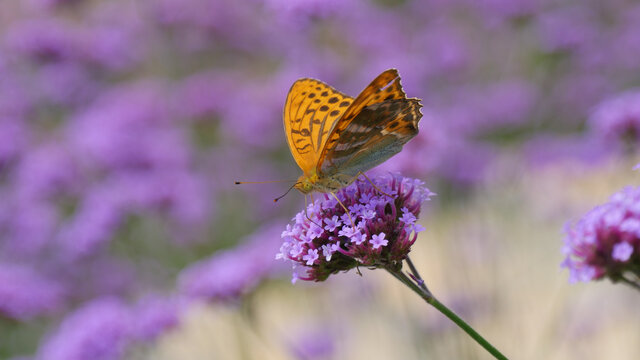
311,110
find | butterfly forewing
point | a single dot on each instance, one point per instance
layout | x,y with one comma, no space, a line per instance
312,109
378,132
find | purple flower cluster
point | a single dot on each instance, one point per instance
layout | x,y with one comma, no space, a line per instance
606,241
377,230
106,328
229,274
25,293
617,120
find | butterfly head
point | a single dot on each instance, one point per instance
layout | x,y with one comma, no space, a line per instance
306,183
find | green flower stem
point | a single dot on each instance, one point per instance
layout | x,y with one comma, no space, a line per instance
632,283
422,291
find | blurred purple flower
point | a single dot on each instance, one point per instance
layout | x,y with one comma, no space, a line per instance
548,149
44,171
155,315
14,136
303,11
27,225
101,329
509,9
105,327
625,39
466,162
65,83
102,275
93,223
15,99
617,119
482,109
231,273
44,40
24,293
568,28
51,4
384,240
575,93
204,93
606,241
111,43
130,127
313,343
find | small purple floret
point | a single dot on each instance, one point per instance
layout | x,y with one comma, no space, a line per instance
378,240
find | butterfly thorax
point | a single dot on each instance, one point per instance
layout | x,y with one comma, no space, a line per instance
313,182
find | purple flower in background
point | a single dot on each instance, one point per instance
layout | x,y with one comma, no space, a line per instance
93,224
109,132
617,120
229,274
548,150
45,171
105,327
155,315
568,28
101,329
49,40
313,343
27,224
24,293
65,83
606,241
13,137
345,247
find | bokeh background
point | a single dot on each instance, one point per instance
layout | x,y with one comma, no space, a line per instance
123,125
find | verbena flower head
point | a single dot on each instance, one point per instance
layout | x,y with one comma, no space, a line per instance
606,241
378,230
617,120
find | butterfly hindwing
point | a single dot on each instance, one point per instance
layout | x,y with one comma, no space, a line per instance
384,87
311,110
375,134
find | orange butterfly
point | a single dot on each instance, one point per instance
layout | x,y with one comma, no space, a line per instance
334,138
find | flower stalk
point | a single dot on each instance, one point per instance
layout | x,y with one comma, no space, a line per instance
415,283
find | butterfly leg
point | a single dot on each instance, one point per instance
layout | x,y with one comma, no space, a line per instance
345,209
372,184
305,209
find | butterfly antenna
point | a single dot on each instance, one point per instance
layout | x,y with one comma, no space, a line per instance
283,195
260,182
